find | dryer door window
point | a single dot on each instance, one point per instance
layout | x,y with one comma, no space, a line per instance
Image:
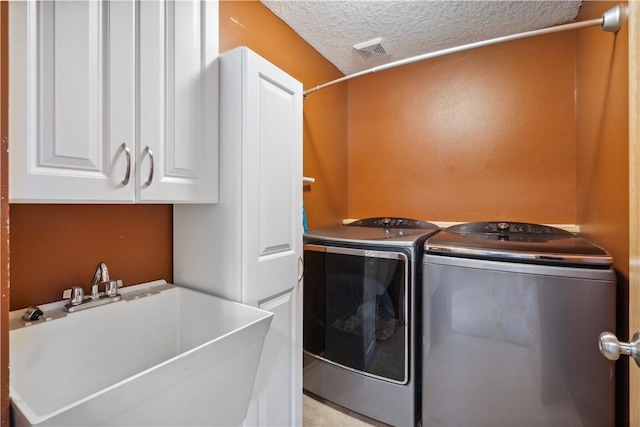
355,310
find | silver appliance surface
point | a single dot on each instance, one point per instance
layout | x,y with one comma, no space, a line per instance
519,241
509,342
361,318
382,231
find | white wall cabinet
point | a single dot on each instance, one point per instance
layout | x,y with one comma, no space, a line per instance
248,247
99,115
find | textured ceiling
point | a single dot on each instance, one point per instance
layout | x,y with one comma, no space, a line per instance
411,27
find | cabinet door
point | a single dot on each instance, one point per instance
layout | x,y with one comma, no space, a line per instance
272,179
277,397
178,104
71,100
272,244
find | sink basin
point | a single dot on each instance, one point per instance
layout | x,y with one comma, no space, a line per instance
163,355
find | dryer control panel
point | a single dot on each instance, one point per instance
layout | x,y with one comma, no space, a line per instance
392,222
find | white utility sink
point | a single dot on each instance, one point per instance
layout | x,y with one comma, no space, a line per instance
162,356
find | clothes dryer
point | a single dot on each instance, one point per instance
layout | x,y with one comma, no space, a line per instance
512,315
361,330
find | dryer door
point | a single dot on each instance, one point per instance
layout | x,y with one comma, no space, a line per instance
355,310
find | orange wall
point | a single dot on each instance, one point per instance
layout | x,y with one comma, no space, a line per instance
54,247
603,135
603,160
246,23
480,135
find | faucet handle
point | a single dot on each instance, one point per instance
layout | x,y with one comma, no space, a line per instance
75,295
111,287
32,313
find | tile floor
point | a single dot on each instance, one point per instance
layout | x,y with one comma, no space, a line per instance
320,412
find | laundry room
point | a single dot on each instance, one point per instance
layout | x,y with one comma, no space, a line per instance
534,130
531,131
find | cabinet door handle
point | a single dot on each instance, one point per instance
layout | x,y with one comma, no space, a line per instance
150,178
300,268
127,153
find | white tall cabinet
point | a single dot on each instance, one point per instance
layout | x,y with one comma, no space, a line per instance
113,101
249,247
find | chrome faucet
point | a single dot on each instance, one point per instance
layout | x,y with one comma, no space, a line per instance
101,276
77,299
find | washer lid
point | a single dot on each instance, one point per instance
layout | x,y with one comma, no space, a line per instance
375,231
517,241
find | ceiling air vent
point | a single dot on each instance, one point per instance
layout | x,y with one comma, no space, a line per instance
370,49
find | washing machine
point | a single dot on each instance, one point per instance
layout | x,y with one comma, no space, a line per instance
512,314
361,312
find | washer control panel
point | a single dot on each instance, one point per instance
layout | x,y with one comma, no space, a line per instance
489,230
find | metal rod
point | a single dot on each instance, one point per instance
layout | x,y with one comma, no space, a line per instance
566,27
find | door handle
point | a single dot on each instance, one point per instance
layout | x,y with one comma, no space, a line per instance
127,153
300,268
611,348
150,178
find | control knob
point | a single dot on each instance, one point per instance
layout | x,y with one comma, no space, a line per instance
503,226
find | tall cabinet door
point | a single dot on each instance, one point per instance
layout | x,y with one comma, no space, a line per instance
72,100
178,104
272,215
